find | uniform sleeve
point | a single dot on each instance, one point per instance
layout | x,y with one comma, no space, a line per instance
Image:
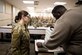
59,35
16,35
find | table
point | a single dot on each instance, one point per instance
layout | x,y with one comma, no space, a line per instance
55,51
32,30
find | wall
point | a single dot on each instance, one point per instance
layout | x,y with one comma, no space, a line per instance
5,19
70,4
5,13
15,12
1,6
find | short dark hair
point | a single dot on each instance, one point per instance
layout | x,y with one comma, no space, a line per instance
59,8
79,2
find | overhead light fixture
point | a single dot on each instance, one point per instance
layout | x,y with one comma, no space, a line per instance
28,2
31,9
59,3
48,9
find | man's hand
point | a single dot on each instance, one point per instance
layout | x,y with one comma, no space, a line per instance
39,44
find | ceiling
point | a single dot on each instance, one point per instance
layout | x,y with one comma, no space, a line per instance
41,5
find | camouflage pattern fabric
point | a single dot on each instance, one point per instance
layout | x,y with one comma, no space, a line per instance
20,40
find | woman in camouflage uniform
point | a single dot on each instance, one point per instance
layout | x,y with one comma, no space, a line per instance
20,35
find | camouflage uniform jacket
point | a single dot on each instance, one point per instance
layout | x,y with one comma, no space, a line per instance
20,40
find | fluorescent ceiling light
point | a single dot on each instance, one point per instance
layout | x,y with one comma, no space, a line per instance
28,2
31,9
48,9
59,3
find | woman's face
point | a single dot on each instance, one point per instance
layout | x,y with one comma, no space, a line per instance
26,19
